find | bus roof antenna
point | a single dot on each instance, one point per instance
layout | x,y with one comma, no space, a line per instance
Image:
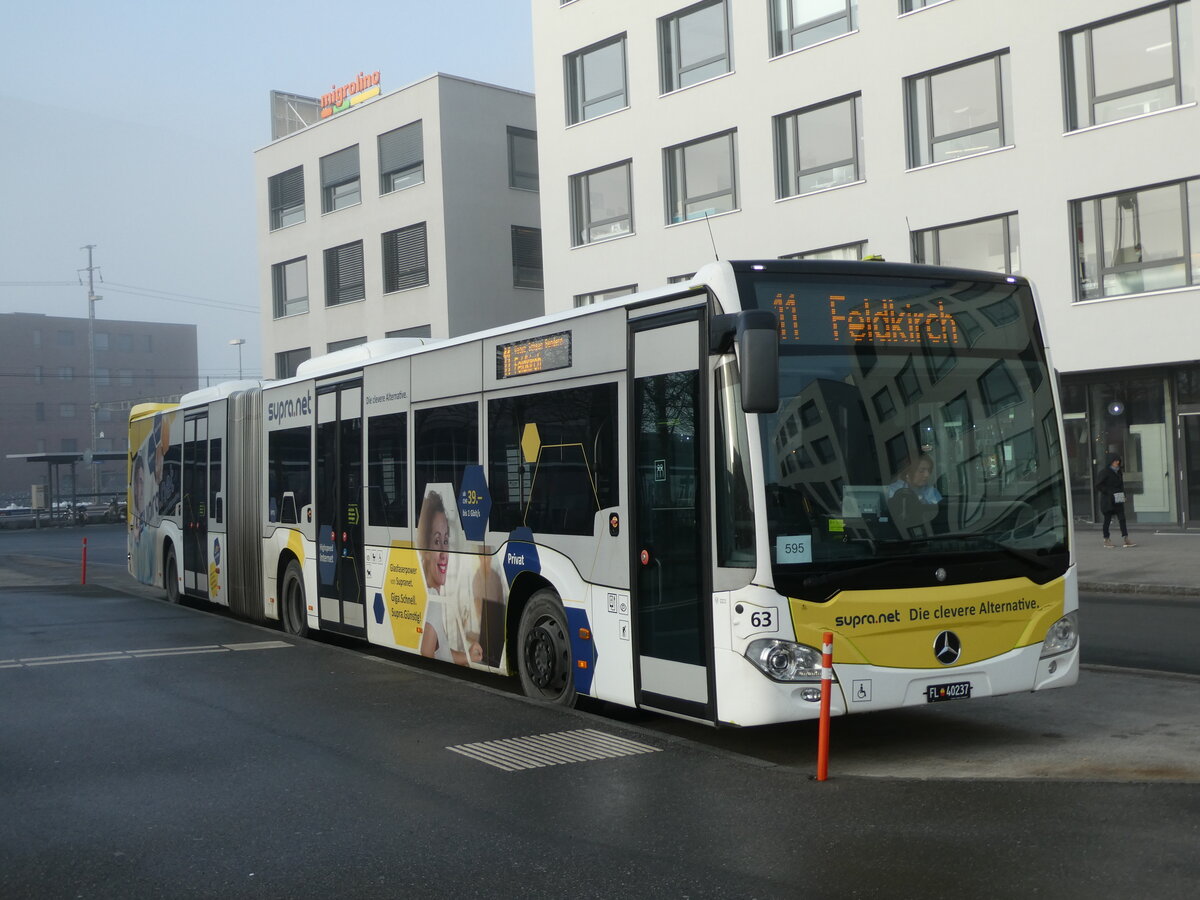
716,255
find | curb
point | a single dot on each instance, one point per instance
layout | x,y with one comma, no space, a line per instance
1122,587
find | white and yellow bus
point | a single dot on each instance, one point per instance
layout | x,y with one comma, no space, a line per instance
661,501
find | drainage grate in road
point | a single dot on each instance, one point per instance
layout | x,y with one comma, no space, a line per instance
539,750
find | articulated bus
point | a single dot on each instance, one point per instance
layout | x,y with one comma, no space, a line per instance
662,501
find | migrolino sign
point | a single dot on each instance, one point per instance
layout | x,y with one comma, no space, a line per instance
340,99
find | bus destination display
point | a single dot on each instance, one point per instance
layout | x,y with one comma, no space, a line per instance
533,355
868,320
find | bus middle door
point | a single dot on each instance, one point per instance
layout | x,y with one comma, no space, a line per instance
340,564
195,505
672,603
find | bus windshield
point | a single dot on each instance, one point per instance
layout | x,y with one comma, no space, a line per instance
916,422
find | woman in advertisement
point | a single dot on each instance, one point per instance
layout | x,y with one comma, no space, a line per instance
451,629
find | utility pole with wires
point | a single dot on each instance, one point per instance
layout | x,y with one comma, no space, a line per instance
92,271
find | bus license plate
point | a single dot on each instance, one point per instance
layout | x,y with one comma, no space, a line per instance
956,690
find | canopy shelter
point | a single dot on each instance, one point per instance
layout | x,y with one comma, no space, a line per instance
54,461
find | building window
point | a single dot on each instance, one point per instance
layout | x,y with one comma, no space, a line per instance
819,147
125,377
913,5
37,374
66,410
802,23
289,283
959,110
100,340
596,80
286,195
125,343
991,244
601,296
857,250
339,180
401,158
405,261
66,338
701,178
601,206
69,445
287,361
417,331
885,406
693,45
522,159
102,378
334,346
1129,66
1146,239
344,274
39,411
527,257
66,373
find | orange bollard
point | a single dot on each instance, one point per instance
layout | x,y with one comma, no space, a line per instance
83,574
826,691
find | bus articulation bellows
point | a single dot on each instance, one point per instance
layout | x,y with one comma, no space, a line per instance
661,501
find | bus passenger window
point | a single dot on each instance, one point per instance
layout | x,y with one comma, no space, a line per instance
552,459
289,475
387,470
445,442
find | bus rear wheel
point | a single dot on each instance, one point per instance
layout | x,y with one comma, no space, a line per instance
293,612
544,658
171,576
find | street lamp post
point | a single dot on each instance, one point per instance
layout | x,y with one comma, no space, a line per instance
237,342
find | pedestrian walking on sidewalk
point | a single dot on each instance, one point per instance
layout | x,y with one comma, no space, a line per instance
1111,485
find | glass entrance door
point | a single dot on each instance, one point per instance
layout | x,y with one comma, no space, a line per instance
340,564
1189,438
671,583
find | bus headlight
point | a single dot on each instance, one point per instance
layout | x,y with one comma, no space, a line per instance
1062,636
785,660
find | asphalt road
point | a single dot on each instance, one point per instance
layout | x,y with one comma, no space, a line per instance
152,750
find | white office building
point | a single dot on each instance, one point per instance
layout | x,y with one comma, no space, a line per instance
1055,139
412,214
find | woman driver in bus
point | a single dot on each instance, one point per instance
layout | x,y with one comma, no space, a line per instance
912,498
917,477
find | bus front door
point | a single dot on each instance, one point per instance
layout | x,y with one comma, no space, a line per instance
195,506
672,609
339,508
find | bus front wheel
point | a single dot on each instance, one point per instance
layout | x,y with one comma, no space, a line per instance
544,651
171,576
293,612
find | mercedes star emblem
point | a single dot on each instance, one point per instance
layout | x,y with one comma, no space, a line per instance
947,648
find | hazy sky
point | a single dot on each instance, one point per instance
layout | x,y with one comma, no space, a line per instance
133,125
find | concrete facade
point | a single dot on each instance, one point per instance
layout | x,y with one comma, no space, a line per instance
463,197
1038,174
